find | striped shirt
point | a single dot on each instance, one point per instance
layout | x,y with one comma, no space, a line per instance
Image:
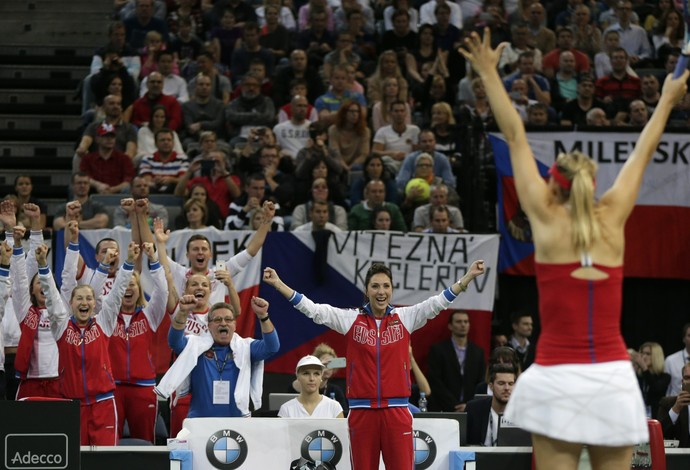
154,165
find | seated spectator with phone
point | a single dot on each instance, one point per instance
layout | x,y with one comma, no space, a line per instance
673,412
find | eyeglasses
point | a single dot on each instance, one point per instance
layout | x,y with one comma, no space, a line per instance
423,165
219,320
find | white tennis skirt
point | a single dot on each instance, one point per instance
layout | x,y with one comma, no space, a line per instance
595,404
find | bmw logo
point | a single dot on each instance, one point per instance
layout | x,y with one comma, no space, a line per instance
424,450
322,446
226,450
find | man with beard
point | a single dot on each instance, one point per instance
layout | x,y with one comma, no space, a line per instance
483,414
225,370
251,109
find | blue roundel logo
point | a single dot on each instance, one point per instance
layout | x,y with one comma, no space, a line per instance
322,446
226,450
424,450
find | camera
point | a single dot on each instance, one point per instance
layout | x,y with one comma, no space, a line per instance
207,167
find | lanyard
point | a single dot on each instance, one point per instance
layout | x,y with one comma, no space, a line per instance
219,366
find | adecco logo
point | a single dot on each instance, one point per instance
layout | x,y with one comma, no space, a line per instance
34,451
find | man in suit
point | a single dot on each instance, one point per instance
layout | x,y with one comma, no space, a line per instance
456,366
673,412
522,330
484,414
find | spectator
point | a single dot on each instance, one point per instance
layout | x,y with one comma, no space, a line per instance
537,86
342,17
393,142
404,5
213,217
328,104
673,364
649,366
649,86
251,109
23,187
522,330
142,22
117,44
638,114
225,36
203,112
173,84
316,161
317,40
318,218
456,366
387,67
243,372
633,38
125,133
564,83
438,198
99,83
349,136
91,214
258,69
668,35
252,198
575,111
564,42
343,55
597,117
140,191
673,411
402,34
185,45
243,11
537,115
381,115
220,185
163,169
305,15
519,44
365,42
190,9
427,144
287,19
298,67
359,217
427,13
310,403
277,172
335,215
250,49
143,106
99,112
146,137
440,221
444,127
602,60
275,37
196,217
586,36
293,134
153,44
484,414
221,87
381,219
618,88
109,169
448,36
424,55
541,37
374,169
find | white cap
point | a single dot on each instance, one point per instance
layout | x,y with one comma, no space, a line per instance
309,361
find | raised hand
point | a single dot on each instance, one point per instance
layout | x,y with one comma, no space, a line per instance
269,210
72,231
187,303
271,277
133,252
5,253
222,275
150,251
159,231
18,232
479,53
260,306
127,205
8,214
111,255
42,255
477,268
32,211
142,206
73,210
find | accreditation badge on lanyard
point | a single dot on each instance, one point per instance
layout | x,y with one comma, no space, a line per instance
221,388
